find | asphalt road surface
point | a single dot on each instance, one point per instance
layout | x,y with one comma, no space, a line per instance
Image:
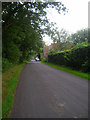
45,92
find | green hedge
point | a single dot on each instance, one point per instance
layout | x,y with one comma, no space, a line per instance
44,59
76,58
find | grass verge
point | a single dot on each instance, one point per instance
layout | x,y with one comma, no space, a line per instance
9,83
77,73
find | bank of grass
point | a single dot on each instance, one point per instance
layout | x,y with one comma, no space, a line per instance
77,73
9,83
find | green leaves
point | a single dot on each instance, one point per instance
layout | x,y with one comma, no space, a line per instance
80,36
13,53
76,58
22,28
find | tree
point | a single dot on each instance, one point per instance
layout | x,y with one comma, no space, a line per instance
80,36
60,37
22,29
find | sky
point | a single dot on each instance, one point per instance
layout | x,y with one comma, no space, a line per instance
76,18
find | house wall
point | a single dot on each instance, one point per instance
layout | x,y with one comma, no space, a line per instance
47,48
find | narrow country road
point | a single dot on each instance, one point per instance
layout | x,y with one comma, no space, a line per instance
45,92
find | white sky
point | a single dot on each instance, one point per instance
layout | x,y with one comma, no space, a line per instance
75,19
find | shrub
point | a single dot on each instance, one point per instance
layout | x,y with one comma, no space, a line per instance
44,59
85,66
5,64
76,58
80,45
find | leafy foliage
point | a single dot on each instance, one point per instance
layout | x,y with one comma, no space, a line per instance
66,41
82,44
75,58
52,51
22,28
60,37
6,64
44,59
80,36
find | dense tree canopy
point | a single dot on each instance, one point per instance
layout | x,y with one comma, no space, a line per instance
22,31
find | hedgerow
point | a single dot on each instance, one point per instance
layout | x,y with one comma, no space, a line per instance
76,58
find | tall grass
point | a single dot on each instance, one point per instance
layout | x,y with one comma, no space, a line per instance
9,83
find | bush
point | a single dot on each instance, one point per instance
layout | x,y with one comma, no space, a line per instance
85,66
76,58
82,44
5,64
44,59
